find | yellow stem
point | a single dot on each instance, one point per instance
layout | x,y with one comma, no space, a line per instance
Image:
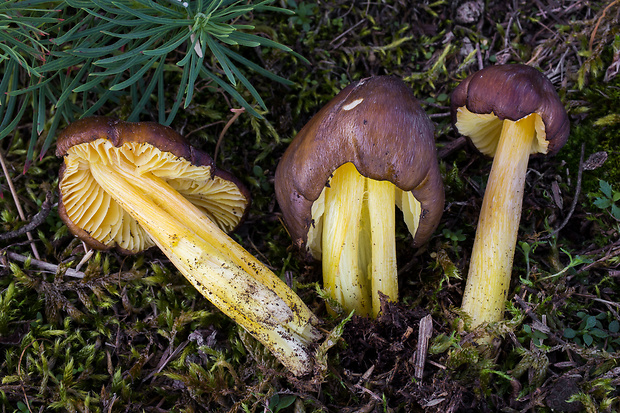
342,276
172,202
494,246
274,319
381,197
358,241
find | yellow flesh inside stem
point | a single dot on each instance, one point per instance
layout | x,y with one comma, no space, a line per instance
342,276
494,245
358,246
382,223
224,272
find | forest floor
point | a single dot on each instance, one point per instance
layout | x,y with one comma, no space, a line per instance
133,335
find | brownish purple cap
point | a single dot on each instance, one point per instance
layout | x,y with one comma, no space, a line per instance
378,125
84,204
514,91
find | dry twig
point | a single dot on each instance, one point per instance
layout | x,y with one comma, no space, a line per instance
18,204
575,198
598,23
46,266
34,222
424,334
236,114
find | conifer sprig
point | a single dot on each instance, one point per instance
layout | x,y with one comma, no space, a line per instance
67,59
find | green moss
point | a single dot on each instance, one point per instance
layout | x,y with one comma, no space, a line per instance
598,129
134,335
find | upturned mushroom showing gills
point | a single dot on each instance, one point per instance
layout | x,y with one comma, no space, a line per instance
370,148
134,185
509,112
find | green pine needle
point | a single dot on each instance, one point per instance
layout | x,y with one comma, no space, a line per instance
59,57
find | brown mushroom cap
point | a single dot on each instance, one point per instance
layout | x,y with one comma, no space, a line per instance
83,205
378,125
514,91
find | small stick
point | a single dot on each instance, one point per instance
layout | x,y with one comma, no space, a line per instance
575,198
613,252
424,334
598,22
17,204
34,222
46,266
452,147
236,114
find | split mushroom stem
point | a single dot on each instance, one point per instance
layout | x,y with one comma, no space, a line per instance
496,237
226,274
384,273
369,150
358,240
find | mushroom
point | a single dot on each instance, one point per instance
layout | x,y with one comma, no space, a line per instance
369,148
130,186
508,112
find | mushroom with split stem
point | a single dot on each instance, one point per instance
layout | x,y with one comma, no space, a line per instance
134,185
509,112
370,148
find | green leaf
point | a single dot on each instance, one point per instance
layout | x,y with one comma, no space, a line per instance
587,339
40,122
151,19
22,62
231,91
179,98
540,335
103,98
134,78
263,41
51,134
90,85
569,333
605,188
133,55
285,401
101,51
77,31
67,90
61,63
146,94
590,322
332,339
13,124
597,332
614,326
32,88
245,82
260,70
221,58
603,203
211,6
115,21
162,9
170,45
